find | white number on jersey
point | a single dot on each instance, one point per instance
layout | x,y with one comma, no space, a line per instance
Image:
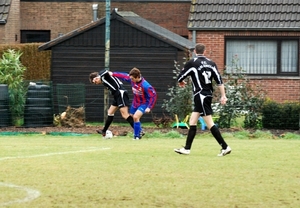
207,75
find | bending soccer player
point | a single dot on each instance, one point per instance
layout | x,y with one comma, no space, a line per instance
144,97
120,95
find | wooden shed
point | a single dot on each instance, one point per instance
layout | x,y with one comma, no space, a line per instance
134,42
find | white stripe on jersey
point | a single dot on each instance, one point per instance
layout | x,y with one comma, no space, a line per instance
111,86
106,82
194,70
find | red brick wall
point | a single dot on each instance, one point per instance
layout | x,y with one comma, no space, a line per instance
279,89
10,32
58,17
172,16
2,34
64,17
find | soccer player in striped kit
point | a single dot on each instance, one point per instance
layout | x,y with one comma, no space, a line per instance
202,71
144,97
120,94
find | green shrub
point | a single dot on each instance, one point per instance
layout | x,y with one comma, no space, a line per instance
180,99
243,99
281,115
12,73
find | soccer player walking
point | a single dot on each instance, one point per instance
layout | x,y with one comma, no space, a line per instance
120,94
202,71
144,97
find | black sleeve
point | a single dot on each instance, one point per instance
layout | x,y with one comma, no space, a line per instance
103,72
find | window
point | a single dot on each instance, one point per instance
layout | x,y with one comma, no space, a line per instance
264,57
35,36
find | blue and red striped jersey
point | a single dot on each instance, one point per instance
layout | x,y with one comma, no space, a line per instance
143,92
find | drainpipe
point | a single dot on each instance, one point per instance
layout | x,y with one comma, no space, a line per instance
194,41
194,36
95,12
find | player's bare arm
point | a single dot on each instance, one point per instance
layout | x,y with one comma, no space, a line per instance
223,98
182,84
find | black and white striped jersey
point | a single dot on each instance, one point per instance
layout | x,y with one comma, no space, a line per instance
202,71
113,84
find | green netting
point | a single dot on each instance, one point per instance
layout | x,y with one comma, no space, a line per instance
13,133
66,134
70,95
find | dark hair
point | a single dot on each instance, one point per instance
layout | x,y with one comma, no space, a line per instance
93,75
199,48
135,72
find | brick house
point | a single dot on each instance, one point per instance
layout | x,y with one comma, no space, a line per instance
263,34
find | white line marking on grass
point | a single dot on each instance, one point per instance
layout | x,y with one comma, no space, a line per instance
55,153
31,194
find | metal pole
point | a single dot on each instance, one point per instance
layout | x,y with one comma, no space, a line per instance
95,12
107,50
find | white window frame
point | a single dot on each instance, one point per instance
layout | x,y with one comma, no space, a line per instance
264,56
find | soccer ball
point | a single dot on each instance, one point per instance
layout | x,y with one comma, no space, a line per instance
108,134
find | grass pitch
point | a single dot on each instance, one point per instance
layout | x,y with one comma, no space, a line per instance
88,171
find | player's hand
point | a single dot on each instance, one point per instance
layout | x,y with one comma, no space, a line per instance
181,84
223,100
147,110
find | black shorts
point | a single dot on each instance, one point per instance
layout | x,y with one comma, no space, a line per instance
121,99
202,104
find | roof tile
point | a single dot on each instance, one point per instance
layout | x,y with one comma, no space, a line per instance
4,9
244,14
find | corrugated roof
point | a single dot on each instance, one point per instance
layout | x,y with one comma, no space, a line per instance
244,15
133,20
4,10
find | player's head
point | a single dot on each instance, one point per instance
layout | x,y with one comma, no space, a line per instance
199,48
95,78
135,74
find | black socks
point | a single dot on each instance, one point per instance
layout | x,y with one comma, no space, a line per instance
190,137
108,121
130,120
216,133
